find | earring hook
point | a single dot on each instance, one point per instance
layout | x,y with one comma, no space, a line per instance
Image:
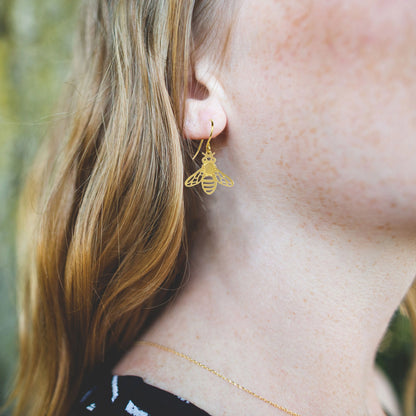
208,143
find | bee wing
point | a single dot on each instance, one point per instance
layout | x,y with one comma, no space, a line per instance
195,178
223,179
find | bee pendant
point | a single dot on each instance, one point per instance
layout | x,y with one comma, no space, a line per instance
209,175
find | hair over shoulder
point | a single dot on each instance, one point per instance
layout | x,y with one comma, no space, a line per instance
102,220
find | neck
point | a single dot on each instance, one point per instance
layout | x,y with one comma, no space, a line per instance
309,302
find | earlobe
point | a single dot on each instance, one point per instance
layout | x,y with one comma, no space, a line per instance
199,111
198,116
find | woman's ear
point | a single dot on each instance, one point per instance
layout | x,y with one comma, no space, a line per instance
202,107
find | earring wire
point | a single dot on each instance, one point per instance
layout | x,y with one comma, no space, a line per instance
208,144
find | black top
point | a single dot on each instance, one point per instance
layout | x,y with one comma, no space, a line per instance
131,396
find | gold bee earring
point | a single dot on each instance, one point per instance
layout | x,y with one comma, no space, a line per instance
208,175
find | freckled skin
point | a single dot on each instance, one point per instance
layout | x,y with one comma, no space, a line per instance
324,92
296,271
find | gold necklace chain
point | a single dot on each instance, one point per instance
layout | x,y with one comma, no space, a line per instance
215,372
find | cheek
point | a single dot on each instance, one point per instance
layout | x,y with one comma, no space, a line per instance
333,83
333,41
346,180
361,79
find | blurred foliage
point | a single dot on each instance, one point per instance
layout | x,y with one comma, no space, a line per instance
396,351
35,48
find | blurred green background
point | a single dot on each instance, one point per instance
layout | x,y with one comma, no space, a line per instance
36,39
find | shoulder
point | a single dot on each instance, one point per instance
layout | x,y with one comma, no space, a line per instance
130,395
